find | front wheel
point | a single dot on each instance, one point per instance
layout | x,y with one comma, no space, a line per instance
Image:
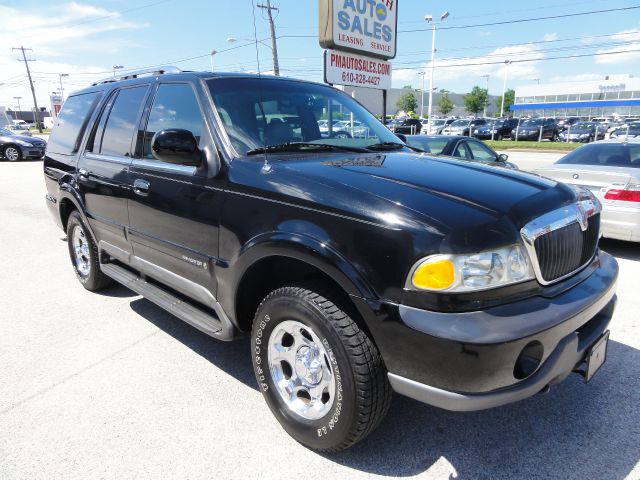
319,372
12,153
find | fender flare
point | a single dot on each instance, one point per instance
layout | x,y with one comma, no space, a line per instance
302,247
68,192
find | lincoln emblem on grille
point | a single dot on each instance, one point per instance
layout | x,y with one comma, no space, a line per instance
583,217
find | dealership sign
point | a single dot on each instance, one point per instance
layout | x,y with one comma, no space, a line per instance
345,68
367,27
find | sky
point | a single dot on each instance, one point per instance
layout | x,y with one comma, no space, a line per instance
85,39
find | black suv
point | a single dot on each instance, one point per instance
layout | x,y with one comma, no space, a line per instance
534,129
496,129
357,265
410,126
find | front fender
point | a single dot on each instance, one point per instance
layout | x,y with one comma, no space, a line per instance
309,250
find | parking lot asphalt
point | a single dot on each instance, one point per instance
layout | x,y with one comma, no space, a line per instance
110,386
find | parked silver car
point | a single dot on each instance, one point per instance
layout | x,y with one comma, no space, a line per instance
611,170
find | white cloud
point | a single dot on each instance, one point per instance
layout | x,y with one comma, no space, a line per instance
631,49
473,67
55,33
581,77
550,37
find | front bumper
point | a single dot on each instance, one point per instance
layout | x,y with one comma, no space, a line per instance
467,361
32,152
527,136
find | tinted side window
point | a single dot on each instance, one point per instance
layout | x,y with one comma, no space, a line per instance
72,121
122,122
175,106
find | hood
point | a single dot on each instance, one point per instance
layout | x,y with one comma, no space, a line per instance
470,206
24,138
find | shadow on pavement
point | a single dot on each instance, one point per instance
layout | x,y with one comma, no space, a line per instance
575,431
620,249
232,357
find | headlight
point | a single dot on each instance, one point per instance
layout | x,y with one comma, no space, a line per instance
23,143
466,273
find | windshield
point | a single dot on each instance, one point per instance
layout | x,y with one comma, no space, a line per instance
604,154
584,126
460,123
261,112
535,122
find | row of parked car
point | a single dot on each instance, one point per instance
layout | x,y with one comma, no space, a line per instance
571,129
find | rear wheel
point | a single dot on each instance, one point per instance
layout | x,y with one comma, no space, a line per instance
12,153
84,255
320,374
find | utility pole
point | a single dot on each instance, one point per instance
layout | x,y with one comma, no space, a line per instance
60,75
33,91
274,47
17,99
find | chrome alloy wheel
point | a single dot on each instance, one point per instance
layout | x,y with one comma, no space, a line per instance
81,253
301,370
12,154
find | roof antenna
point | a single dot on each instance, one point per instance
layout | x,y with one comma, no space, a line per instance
266,168
255,34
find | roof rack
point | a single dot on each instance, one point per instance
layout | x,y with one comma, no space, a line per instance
140,73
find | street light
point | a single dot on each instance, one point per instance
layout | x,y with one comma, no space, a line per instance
504,86
484,112
429,19
213,52
17,99
60,75
117,67
422,74
537,80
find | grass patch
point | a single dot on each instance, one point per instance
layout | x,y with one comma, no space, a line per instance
541,146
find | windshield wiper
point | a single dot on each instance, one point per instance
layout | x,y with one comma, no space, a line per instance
301,146
386,146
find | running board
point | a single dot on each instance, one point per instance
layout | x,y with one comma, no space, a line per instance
185,311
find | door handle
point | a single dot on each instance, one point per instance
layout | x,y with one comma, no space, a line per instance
83,174
141,187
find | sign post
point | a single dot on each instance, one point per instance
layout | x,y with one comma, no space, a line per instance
359,37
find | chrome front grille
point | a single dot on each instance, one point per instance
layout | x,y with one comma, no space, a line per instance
565,250
563,241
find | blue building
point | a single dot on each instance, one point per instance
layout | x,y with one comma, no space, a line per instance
610,97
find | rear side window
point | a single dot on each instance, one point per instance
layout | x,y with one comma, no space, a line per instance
72,121
122,122
175,106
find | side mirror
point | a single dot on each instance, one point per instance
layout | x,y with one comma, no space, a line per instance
402,137
174,145
503,157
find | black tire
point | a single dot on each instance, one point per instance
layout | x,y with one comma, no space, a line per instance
94,279
12,151
353,359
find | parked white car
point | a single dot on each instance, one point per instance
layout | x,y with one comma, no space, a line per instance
19,129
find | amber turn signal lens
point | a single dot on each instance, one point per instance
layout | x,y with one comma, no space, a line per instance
435,274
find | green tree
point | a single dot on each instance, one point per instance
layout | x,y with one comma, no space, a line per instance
509,99
407,102
445,105
476,100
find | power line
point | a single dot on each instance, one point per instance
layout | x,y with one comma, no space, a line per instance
33,91
532,52
525,60
535,42
524,20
